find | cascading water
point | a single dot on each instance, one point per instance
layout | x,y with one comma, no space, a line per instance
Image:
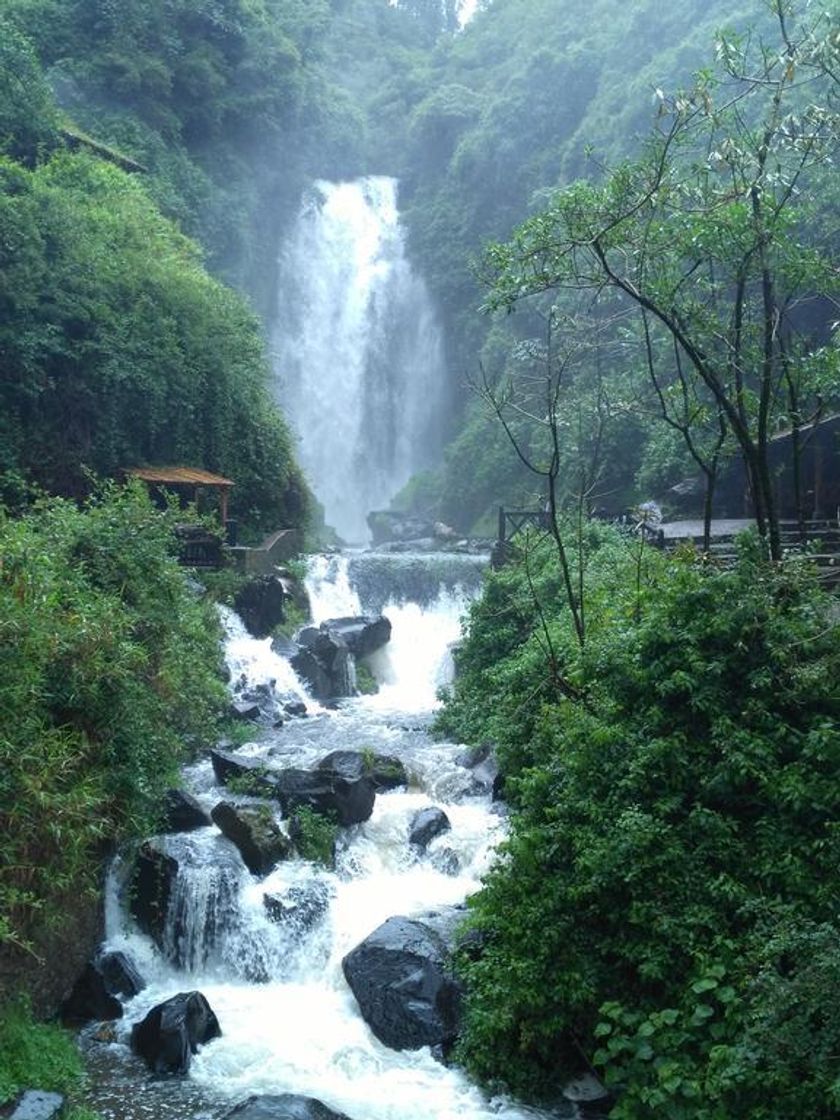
357,351
289,1020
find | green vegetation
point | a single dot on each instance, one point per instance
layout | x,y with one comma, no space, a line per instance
110,677
664,906
695,241
38,1054
366,682
314,836
118,348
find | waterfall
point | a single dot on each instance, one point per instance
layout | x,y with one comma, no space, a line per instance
357,351
289,1021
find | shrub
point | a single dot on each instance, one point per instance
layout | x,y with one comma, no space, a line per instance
108,678
664,902
35,1055
314,836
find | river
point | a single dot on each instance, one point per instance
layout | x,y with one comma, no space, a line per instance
289,1021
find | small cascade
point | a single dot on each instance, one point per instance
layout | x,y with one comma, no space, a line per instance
267,951
358,352
203,909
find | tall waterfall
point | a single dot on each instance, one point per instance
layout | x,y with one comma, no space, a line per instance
357,351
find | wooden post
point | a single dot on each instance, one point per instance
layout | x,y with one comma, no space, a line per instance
818,478
223,504
501,523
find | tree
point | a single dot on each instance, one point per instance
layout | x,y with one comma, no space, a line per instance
706,233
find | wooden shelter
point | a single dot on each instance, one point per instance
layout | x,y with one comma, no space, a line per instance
187,482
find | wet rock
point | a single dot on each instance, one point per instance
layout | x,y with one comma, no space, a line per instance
120,973
283,1106
244,775
283,646
390,525
105,1033
482,761
245,711
426,824
90,999
94,995
260,840
35,1104
347,801
362,634
386,771
589,1094
183,812
155,873
402,983
302,906
260,604
325,663
446,861
294,708
445,922
172,1032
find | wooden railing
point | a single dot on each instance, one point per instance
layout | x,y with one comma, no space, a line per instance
513,521
819,540
198,548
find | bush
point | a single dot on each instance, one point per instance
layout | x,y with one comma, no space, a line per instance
663,906
108,677
35,1055
314,836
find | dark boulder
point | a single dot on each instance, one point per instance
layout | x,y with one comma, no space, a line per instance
325,663
94,995
283,646
260,604
401,981
90,999
301,907
386,771
390,525
283,1106
35,1104
362,634
347,801
426,824
183,812
172,1032
482,761
294,708
260,840
155,872
120,973
245,711
246,775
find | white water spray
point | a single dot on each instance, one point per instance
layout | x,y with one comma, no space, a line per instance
357,351
289,1020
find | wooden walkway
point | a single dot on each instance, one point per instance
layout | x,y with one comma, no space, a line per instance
818,539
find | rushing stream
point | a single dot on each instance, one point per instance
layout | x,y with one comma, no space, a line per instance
289,1020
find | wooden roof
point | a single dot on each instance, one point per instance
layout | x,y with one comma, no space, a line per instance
178,476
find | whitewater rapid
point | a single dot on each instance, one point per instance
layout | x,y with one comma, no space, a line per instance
289,1021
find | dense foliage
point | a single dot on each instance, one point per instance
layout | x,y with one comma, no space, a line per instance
38,1054
534,95
109,675
202,95
119,349
664,906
